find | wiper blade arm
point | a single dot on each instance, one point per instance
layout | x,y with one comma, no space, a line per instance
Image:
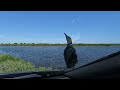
40,74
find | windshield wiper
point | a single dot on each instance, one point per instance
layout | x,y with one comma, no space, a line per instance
40,74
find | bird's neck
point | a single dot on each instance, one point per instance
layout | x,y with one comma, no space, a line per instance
69,44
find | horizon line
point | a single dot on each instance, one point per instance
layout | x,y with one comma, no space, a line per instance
57,43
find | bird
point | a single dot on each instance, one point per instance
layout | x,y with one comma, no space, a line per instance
70,55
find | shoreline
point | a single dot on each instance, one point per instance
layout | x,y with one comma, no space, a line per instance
15,44
10,64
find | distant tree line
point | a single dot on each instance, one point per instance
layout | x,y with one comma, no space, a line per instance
30,44
56,44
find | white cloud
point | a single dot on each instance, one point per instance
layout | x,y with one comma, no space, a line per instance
75,20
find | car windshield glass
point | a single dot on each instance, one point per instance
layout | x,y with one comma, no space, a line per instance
56,40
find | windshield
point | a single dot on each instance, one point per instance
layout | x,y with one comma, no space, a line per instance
48,40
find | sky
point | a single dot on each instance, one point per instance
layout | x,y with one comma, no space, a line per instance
50,26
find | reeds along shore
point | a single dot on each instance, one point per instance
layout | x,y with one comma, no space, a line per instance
10,64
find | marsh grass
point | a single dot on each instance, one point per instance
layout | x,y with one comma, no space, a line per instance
10,64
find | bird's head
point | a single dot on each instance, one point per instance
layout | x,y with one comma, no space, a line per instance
69,40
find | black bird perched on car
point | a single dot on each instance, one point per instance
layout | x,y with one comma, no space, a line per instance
70,54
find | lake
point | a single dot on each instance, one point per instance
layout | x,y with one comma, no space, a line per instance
53,55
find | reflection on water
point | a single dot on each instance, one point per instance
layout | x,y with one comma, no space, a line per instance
53,55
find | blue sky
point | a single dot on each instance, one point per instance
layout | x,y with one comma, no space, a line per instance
50,26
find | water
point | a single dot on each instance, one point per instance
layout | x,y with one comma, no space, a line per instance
53,55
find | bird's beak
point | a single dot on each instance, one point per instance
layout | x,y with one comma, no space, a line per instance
65,34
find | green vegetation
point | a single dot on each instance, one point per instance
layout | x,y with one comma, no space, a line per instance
96,44
10,64
51,44
31,44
